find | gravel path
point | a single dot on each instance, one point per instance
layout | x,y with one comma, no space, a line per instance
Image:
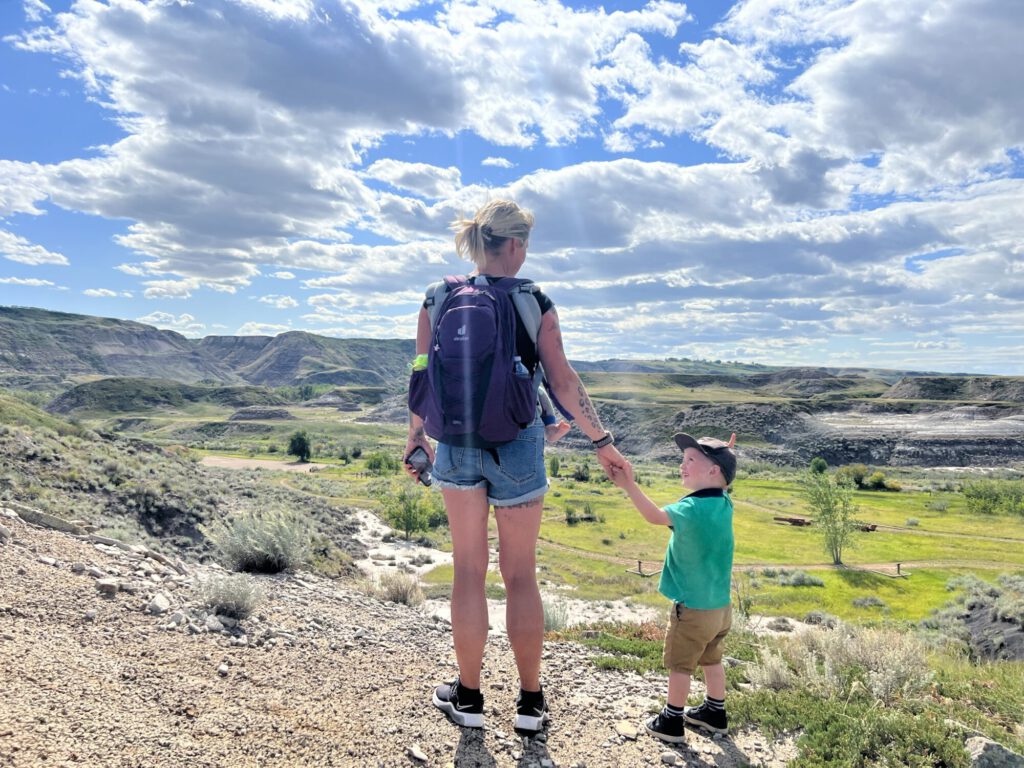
323,675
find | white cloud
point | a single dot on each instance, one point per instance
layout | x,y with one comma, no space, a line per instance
424,180
35,10
283,275
34,282
184,323
106,293
280,302
19,249
497,162
253,328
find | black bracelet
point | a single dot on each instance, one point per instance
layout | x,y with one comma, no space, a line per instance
608,439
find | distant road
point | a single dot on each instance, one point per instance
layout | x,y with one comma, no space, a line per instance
231,462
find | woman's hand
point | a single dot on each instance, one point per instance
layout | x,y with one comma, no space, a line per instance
621,476
416,440
610,458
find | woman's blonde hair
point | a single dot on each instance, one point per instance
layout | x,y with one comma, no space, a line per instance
493,224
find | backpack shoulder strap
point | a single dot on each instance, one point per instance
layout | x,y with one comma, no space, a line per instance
528,307
436,293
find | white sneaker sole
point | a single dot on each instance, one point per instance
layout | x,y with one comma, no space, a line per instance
530,723
664,736
465,719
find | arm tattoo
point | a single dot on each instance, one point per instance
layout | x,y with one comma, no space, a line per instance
587,411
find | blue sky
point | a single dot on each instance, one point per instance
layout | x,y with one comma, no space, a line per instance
779,181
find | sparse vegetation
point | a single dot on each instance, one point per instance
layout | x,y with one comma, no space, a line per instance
397,587
236,595
269,541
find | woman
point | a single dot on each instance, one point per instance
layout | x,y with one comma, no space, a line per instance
472,479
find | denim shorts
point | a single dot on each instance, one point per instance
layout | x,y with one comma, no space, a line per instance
512,473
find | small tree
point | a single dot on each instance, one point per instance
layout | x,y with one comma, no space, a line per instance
818,465
831,503
581,473
408,508
299,445
554,465
855,473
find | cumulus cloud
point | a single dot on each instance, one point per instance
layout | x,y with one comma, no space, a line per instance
19,249
860,168
253,328
280,302
33,282
185,324
497,162
106,293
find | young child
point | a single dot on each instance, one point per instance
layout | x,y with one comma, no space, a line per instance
696,578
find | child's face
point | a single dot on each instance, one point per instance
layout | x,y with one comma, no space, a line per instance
697,471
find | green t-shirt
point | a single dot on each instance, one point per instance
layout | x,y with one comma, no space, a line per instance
698,560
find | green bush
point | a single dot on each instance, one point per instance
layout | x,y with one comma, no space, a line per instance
818,465
381,463
799,579
300,446
989,497
263,542
854,473
236,595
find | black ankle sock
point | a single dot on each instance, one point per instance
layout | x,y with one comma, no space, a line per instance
715,704
671,711
531,697
468,694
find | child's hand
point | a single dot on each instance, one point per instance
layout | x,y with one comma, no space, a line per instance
621,474
555,432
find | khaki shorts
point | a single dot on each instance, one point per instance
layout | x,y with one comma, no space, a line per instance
694,637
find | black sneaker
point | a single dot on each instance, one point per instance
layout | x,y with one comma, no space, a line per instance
667,728
705,717
531,711
467,714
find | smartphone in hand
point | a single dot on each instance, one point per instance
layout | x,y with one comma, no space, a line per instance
419,461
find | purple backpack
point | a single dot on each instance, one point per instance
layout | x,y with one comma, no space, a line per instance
475,390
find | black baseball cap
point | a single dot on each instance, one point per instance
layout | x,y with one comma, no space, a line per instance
718,451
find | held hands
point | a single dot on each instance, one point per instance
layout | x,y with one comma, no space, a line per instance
622,476
611,460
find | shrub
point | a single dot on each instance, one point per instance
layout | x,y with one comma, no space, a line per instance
556,616
854,473
799,579
263,542
876,481
818,465
398,587
995,496
821,619
581,472
913,522
554,466
772,672
571,516
381,463
236,595
871,601
937,505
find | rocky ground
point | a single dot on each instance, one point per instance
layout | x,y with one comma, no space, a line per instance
108,659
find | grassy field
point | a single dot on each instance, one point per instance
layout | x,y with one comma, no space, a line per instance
597,559
594,557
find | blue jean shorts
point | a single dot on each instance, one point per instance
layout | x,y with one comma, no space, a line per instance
512,473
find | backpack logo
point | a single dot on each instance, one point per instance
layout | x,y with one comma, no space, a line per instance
469,393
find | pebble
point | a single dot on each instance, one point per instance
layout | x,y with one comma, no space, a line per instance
627,730
159,605
213,624
669,758
223,670
90,615
47,560
108,586
417,754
